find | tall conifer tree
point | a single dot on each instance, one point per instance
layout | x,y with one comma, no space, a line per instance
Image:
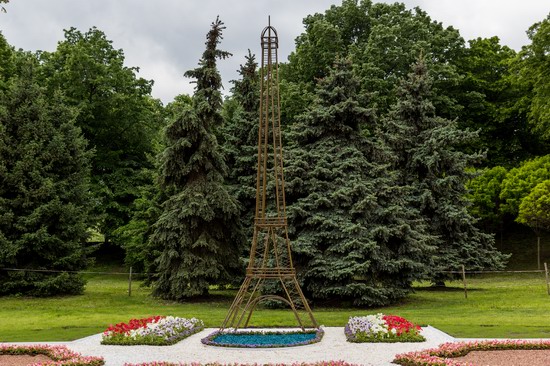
431,162
200,222
353,237
240,140
44,185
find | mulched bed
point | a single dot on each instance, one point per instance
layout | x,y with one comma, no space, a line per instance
507,358
22,360
496,353
54,355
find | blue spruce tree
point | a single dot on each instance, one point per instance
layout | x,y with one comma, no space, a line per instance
432,163
199,229
353,234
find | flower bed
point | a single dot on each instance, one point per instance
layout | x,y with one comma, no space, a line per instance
444,354
382,328
60,355
263,339
320,363
156,330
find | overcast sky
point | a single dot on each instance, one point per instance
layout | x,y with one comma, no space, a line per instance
164,38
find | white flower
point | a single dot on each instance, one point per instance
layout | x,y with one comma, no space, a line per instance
371,325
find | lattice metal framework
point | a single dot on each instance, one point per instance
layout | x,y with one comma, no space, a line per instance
270,274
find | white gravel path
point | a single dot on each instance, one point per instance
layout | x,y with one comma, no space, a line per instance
333,347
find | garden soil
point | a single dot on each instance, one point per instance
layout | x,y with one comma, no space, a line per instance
508,358
22,360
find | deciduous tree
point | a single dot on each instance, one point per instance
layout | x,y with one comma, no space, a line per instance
397,36
489,94
519,182
535,72
534,211
117,114
383,40
7,62
484,194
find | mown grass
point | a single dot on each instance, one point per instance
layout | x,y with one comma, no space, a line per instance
498,306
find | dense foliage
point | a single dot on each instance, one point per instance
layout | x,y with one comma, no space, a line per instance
431,162
239,137
535,72
518,182
44,200
382,40
487,93
117,115
484,193
391,175
353,237
198,231
534,210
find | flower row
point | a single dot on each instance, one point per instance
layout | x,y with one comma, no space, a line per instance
161,330
319,363
382,328
133,324
444,354
60,355
157,330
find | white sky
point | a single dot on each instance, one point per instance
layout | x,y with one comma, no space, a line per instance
164,38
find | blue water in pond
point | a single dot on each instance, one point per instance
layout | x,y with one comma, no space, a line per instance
264,339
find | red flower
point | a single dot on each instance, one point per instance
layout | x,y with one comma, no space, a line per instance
401,325
124,328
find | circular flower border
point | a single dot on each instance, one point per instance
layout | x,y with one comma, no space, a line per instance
210,339
444,354
60,355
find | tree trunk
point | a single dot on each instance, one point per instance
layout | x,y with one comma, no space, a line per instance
538,252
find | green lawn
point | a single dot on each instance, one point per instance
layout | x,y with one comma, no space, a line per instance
503,306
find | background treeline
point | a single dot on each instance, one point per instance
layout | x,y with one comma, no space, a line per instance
406,150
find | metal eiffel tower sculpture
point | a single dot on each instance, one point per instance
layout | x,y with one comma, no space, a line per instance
270,274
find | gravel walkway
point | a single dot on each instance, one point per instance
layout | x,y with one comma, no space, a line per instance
333,347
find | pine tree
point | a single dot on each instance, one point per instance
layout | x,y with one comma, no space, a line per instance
353,237
240,140
432,164
200,222
44,185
